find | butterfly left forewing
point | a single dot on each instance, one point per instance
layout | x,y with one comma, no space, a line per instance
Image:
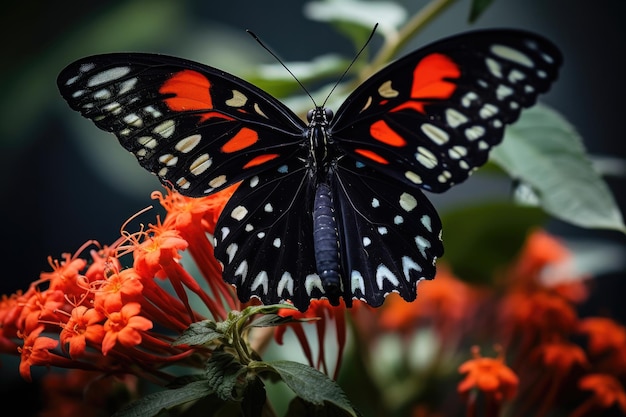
197,128
430,118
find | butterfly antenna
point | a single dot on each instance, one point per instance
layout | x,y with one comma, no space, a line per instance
351,64
256,38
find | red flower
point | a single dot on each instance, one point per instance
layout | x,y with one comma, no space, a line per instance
322,313
125,327
538,316
606,392
83,325
491,377
118,289
35,351
604,334
606,343
445,301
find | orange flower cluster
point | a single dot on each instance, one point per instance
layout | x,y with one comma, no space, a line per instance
558,360
96,315
559,356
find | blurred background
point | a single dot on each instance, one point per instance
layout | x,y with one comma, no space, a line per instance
65,182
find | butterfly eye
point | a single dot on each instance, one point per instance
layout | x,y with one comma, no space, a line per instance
309,115
329,114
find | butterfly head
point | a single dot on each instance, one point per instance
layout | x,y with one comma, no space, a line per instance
319,115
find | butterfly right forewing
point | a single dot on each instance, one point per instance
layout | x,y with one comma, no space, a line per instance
431,118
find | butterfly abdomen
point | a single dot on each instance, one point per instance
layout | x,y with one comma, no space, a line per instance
325,241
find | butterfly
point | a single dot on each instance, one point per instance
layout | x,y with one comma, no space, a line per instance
332,207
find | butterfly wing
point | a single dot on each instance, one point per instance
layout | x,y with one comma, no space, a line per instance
430,118
197,128
390,234
264,237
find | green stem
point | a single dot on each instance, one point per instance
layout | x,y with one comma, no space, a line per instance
392,45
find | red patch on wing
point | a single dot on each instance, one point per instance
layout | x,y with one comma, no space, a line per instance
430,81
191,93
244,138
372,155
261,159
381,131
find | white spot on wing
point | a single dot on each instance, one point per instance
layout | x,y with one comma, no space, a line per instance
218,181
427,222
426,157
165,129
200,164
239,213
357,283
285,283
187,144
513,55
407,202
455,117
383,273
311,282
494,67
242,270
413,177
168,159
127,85
147,141
260,280
487,110
422,244
106,76
474,132
409,265
231,251
434,133
503,91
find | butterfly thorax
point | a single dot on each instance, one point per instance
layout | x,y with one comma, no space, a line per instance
319,140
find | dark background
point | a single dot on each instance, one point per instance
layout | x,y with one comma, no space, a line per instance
63,184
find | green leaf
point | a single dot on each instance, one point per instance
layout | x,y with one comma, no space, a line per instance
544,151
482,239
356,19
311,385
226,376
199,333
271,320
152,404
477,8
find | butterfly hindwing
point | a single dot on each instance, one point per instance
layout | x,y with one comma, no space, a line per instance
264,237
430,118
390,234
197,128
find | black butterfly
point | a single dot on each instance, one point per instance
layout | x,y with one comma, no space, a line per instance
331,207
